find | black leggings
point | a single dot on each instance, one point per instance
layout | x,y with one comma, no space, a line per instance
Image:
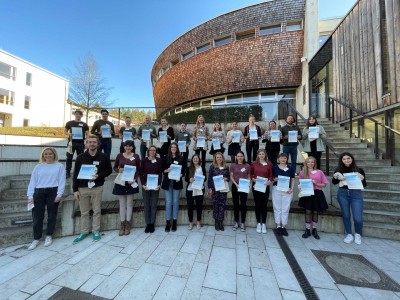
190,203
203,156
236,196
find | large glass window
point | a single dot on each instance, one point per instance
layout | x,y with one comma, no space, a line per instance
7,97
203,48
234,99
270,29
250,97
219,101
27,104
292,26
26,123
29,79
245,34
222,41
7,71
187,55
269,106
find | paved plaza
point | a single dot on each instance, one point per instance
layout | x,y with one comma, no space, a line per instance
197,264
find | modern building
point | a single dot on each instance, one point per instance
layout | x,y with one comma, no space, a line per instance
28,93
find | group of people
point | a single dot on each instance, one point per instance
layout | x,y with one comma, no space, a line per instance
165,166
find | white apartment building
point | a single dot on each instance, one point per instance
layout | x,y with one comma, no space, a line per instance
30,95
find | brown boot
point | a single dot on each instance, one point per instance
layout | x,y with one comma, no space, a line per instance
122,228
127,228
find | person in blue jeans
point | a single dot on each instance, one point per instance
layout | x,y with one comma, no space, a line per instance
172,187
104,129
289,146
350,198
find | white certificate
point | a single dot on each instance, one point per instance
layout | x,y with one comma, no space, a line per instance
307,187
275,135
127,136
175,172
163,136
152,182
244,185
76,133
353,181
106,131
261,184
236,137
201,142
219,183
198,182
182,146
146,135
87,172
313,133
283,183
292,136
216,144
253,134
129,173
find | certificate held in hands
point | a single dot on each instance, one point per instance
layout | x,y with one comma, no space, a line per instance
127,136
163,137
216,144
275,135
198,182
129,173
175,172
219,183
76,133
106,132
146,135
313,133
260,185
307,187
244,185
87,172
292,136
353,181
236,137
283,183
253,134
201,142
182,146
152,182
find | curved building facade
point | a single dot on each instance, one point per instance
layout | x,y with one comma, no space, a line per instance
250,53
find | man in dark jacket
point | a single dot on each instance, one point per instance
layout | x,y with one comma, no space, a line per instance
89,191
291,133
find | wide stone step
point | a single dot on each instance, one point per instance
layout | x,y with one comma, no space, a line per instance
20,193
357,152
381,205
13,206
384,185
19,182
16,219
16,236
344,146
381,230
367,169
367,162
382,194
383,176
382,216
342,141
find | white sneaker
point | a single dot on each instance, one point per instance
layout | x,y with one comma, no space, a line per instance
48,241
357,239
242,229
258,228
263,228
348,239
33,245
235,227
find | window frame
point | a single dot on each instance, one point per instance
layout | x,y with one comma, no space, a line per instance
270,26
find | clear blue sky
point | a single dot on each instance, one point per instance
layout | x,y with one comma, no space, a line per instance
125,36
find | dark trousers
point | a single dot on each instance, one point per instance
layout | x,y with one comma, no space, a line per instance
105,146
236,196
185,156
76,147
143,150
203,156
251,150
273,156
190,204
261,201
44,197
150,201
317,155
291,151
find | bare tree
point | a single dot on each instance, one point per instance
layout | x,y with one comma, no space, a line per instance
87,85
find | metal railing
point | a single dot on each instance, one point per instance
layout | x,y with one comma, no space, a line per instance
352,109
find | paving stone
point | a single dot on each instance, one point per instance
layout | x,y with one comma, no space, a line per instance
114,263
194,283
259,259
84,253
211,294
141,254
193,242
292,295
264,280
243,260
255,241
132,246
241,238
5,259
182,265
368,293
46,292
92,283
112,285
349,292
225,241
167,251
19,296
329,294
245,289
171,288
203,255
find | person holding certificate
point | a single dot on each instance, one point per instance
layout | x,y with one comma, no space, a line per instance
315,203
263,169
217,169
252,134
183,139
150,171
239,170
125,189
172,184
234,139
201,134
104,129
218,139
281,199
89,191
165,135
312,137
45,190
197,173
350,198
126,133
291,134
272,138
146,133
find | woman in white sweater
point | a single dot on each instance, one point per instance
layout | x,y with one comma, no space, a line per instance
45,189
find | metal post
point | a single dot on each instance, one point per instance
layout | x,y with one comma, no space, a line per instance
351,122
333,111
327,160
376,142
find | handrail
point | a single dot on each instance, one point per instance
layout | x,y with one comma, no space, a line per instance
352,109
328,145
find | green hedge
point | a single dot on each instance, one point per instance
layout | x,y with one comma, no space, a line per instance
223,114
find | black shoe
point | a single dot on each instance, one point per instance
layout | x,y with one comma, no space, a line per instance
67,175
147,229
173,229
306,234
216,225
315,233
279,231
168,226
221,226
284,231
151,228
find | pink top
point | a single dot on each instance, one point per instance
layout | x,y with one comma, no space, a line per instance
317,175
240,171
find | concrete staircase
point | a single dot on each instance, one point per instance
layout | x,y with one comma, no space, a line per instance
382,195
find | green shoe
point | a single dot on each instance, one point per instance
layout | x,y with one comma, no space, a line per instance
80,237
96,236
